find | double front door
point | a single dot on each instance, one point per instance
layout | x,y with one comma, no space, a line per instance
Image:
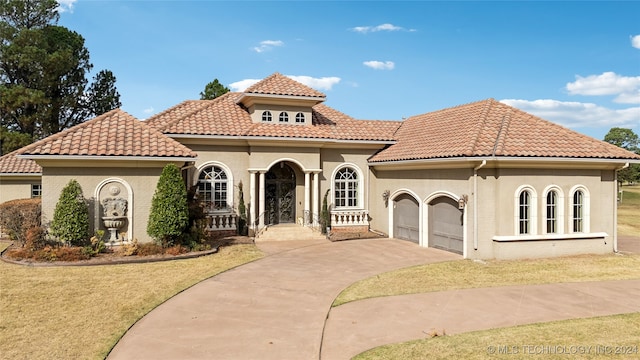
280,195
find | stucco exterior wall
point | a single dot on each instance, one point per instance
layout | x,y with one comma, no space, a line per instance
332,160
142,181
16,188
498,195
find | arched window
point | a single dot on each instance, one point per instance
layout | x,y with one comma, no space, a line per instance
213,185
346,188
553,210
284,117
526,219
577,212
580,210
551,218
266,116
299,118
524,211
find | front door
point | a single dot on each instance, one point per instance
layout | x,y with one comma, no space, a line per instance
280,195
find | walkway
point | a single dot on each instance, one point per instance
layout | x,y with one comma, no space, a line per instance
278,307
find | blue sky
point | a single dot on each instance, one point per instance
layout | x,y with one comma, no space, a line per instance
573,63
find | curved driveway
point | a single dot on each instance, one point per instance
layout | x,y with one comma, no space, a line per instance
273,308
279,307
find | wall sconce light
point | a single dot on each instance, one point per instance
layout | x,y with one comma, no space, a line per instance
385,197
463,201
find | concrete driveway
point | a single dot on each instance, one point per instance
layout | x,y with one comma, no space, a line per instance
279,307
273,308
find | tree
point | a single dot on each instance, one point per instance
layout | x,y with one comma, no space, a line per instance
626,139
213,90
169,216
242,211
43,69
71,216
102,95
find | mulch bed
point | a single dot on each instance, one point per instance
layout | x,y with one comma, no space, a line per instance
113,258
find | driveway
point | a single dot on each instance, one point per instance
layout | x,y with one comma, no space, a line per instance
273,308
279,307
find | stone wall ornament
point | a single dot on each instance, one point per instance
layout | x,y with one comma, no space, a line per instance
115,214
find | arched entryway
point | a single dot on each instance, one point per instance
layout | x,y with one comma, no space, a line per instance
446,225
280,194
406,218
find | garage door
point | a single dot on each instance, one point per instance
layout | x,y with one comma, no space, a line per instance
445,225
406,218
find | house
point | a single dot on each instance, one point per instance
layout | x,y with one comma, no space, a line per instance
483,179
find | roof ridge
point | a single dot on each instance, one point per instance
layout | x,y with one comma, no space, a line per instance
502,133
473,147
64,132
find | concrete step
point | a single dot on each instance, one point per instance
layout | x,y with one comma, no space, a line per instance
288,232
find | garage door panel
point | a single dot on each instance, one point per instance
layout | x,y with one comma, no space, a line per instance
406,218
445,225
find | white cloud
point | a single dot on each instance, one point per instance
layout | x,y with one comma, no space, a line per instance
607,83
380,65
242,85
267,45
635,41
382,27
148,110
577,114
65,5
323,83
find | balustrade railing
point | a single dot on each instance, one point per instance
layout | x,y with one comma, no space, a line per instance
217,221
349,217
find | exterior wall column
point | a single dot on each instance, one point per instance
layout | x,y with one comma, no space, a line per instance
252,199
262,200
315,213
307,194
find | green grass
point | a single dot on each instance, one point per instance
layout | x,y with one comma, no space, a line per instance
81,312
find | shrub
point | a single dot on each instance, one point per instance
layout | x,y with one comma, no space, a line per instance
242,210
71,216
169,215
18,216
147,249
325,218
36,238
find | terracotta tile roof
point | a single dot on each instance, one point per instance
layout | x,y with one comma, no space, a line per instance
491,128
278,84
11,164
224,117
114,133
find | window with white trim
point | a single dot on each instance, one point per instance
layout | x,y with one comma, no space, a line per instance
213,185
524,212
299,118
36,190
346,188
266,116
577,212
284,117
551,218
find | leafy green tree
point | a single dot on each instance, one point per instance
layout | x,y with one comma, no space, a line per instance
626,139
169,217
213,90
71,216
43,69
11,140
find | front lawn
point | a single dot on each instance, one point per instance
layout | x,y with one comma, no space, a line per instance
81,312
